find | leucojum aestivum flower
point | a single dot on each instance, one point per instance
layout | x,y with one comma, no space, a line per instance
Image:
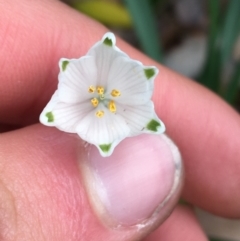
104,97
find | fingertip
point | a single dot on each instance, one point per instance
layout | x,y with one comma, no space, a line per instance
138,185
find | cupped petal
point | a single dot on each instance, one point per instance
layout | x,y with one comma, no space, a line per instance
68,116
141,119
134,81
104,132
104,97
46,117
104,53
75,78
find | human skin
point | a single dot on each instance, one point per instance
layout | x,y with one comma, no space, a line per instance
42,195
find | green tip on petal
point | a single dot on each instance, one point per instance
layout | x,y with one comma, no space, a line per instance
105,147
64,65
153,125
108,42
149,73
50,116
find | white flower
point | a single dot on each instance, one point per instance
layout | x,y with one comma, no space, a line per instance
104,97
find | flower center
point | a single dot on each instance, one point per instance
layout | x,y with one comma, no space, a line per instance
109,103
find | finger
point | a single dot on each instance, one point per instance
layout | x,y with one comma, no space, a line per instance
203,126
44,196
181,225
33,37
207,132
7,127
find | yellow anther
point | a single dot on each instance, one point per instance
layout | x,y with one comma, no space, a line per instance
99,113
115,93
91,89
112,106
94,102
100,90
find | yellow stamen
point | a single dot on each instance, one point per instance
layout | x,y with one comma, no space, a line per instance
115,93
99,113
112,106
100,90
94,102
91,89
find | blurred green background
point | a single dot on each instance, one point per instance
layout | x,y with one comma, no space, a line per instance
197,38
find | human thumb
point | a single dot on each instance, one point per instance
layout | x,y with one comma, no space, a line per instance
54,188
135,189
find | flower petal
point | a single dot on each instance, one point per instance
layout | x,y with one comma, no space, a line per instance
75,77
68,116
47,117
155,125
104,132
104,53
141,119
109,39
133,80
